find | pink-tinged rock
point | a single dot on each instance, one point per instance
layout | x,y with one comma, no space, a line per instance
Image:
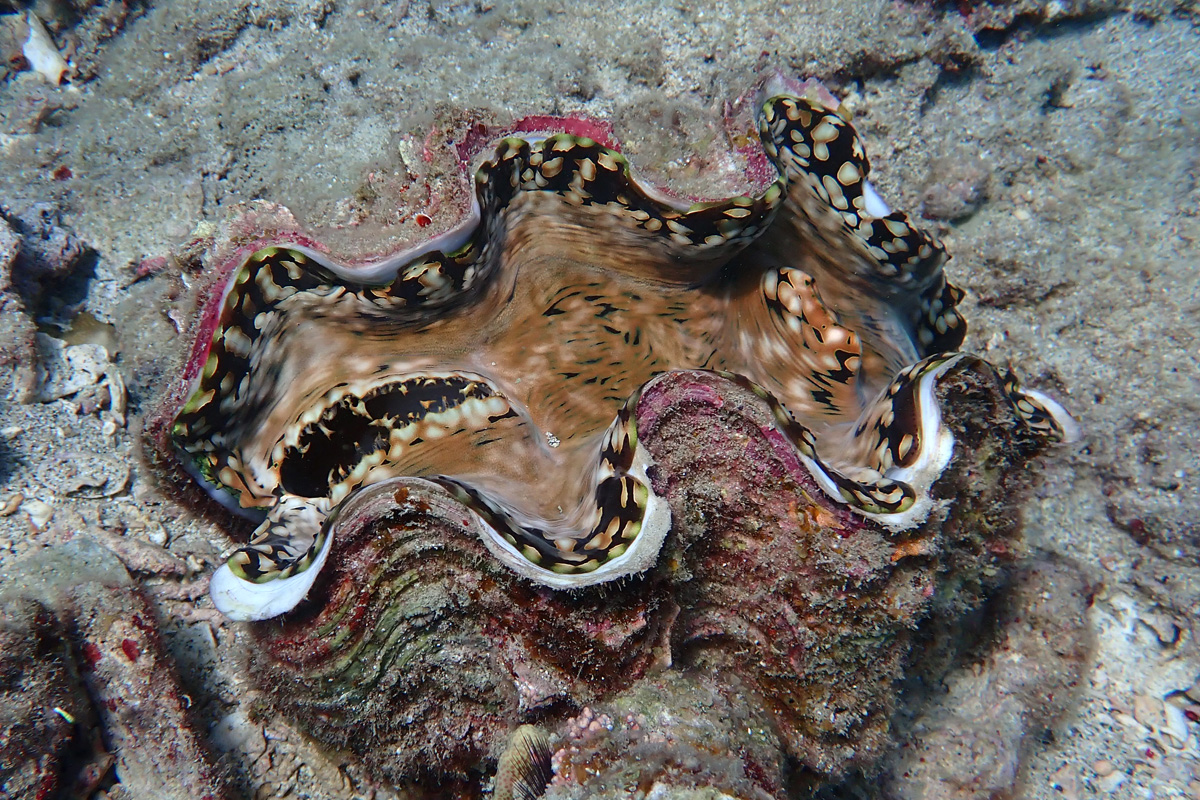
141,706
45,716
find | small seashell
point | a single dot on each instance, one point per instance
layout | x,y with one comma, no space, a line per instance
1111,781
39,512
1165,628
67,369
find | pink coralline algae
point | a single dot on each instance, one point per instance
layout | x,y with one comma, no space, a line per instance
601,447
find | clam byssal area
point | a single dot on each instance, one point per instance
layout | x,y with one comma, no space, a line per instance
505,361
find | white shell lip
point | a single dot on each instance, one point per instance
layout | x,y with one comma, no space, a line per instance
875,206
1070,428
386,269
244,601
641,555
935,455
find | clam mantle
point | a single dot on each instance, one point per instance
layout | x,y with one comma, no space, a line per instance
505,360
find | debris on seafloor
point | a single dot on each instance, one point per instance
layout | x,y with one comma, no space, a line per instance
44,269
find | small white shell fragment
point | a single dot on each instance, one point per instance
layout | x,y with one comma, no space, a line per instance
41,53
117,396
237,732
1165,628
1111,781
39,512
1053,10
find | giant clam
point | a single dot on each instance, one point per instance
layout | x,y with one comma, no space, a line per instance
597,436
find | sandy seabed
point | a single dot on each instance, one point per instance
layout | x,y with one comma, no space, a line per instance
1055,147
